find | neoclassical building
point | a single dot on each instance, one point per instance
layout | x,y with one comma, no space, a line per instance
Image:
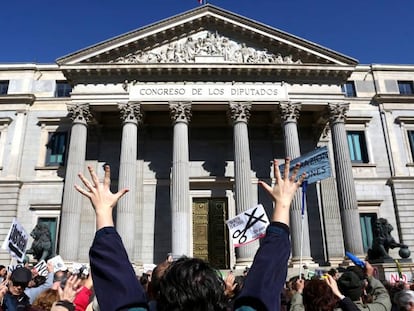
189,112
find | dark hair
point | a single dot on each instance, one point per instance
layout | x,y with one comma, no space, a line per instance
318,296
191,284
332,272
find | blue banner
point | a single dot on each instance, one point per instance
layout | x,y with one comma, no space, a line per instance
315,164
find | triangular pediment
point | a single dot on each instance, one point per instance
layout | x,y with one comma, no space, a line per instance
207,34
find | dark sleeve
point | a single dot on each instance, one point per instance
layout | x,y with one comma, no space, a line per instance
347,304
267,275
114,280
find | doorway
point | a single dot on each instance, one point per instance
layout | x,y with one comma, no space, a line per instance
210,234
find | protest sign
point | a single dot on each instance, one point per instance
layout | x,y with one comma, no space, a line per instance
315,164
80,268
16,241
41,268
58,263
248,226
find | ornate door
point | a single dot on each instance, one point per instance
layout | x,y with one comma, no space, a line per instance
210,235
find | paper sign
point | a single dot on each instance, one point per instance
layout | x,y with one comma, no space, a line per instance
248,226
315,164
80,268
41,268
16,241
58,263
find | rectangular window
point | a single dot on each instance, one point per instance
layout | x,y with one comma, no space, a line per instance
63,89
349,89
357,146
411,139
406,87
4,87
367,221
51,223
56,148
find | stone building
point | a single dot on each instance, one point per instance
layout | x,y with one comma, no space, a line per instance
189,112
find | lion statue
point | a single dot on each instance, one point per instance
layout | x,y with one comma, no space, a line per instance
382,241
42,243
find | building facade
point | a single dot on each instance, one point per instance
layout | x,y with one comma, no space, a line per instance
189,112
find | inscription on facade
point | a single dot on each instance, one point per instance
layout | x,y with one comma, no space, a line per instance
209,92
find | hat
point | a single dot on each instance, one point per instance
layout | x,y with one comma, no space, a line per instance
21,275
350,285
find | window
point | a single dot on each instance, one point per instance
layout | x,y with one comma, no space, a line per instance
367,221
63,89
411,140
349,89
4,87
56,147
51,223
357,146
405,87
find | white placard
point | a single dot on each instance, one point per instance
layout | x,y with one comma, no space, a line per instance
58,263
248,226
41,268
16,241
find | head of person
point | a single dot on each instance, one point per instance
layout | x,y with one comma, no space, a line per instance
37,281
59,279
191,284
19,280
45,299
318,296
334,273
404,300
3,271
351,285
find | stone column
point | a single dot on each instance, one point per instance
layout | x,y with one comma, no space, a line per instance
181,213
348,204
127,206
289,113
240,114
72,200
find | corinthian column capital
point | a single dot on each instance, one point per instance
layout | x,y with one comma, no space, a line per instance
290,112
79,113
180,111
131,113
337,112
240,112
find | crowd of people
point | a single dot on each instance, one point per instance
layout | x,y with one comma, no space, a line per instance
192,283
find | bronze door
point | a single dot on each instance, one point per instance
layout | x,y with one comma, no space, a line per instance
210,235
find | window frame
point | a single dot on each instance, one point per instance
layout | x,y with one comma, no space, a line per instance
47,211
4,87
407,125
368,207
405,87
349,89
359,149
360,124
49,126
49,154
65,92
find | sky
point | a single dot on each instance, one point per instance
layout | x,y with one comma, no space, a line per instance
370,31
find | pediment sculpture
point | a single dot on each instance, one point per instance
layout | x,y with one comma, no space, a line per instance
204,46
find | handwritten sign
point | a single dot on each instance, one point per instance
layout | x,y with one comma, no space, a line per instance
315,164
41,268
16,241
58,263
248,226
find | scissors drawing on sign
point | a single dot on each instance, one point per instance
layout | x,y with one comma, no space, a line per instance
241,234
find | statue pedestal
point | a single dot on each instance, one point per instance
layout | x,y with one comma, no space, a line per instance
388,271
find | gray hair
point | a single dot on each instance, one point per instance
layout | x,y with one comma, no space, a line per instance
404,299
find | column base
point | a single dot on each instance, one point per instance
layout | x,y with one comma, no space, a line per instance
242,263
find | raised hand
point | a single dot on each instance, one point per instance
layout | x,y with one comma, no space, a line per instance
284,190
101,197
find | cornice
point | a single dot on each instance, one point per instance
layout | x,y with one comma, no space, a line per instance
394,98
17,99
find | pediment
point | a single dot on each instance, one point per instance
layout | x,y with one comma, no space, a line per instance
210,35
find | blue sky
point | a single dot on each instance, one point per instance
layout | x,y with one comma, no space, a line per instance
371,31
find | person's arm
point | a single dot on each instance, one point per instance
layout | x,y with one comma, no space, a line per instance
345,303
382,300
67,295
115,283
83,297
296,304
267,276
33,292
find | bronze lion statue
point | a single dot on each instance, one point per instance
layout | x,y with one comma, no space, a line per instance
42,243
382,241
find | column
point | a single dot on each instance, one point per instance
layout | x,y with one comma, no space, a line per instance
180,188
240,114
289,116
72,200
348,204
127,206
